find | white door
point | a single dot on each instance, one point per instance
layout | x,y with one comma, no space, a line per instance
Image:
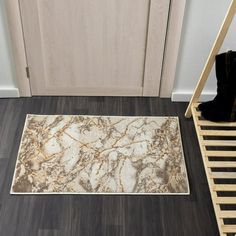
94,47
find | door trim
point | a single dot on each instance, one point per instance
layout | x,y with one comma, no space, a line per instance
174,29
18,47
155,45
173,37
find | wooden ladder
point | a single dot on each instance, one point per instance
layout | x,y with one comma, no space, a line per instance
217,143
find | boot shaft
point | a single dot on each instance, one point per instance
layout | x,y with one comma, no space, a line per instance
225,67
222,107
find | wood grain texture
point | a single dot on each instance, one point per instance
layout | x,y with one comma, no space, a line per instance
207,167
102,215
173,36
157,27
218,155
170,57
93,47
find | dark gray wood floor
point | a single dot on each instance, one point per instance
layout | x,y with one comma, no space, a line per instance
68,215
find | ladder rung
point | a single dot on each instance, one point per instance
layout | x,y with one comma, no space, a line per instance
227,214
223,175
221,164
218,132
220,153
214,124
224,187
195,105
197,113
219,143
228,228
226,200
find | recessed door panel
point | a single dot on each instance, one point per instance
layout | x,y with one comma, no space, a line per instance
86,47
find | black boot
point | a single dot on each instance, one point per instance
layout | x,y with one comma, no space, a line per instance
221,74
222,107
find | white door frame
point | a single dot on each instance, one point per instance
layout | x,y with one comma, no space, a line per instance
173,34
18,47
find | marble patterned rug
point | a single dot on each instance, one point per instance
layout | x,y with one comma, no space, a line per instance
75,154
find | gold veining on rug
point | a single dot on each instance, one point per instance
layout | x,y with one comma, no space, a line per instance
100,154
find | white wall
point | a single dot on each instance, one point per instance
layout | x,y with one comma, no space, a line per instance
8,87
202,21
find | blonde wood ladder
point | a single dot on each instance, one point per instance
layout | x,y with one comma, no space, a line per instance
217,143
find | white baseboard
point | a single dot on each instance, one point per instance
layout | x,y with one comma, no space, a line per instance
6,92
185,96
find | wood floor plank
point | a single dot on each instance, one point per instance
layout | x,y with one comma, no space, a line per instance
102,215
49,232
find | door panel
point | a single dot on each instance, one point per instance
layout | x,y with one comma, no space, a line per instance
86,47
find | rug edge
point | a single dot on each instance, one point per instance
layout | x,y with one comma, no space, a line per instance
183,155
28,114
113,194
18,153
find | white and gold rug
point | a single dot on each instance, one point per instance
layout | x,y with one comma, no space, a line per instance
73,154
